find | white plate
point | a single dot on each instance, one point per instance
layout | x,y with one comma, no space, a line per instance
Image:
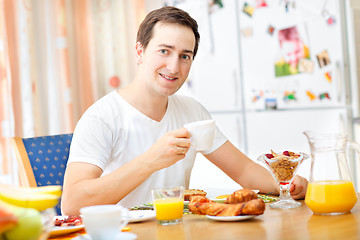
141,215
120,236
231,219
59,231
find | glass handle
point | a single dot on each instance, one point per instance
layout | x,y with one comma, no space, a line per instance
356,147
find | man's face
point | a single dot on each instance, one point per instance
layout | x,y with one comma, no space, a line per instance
166,62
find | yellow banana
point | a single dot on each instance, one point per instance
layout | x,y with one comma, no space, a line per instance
29,223
52,189
28,198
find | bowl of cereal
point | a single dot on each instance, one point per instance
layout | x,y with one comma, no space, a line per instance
283,167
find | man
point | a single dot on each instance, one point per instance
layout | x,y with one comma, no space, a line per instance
133,139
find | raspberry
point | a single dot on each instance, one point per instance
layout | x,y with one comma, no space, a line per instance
270,156
286,153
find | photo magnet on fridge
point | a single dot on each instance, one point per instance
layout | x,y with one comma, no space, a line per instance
323,58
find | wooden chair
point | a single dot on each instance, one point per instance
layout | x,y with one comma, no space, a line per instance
42,160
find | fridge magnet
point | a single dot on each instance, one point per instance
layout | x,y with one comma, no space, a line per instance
248,10
271,30
293,47
257,96
172,2
270,103
261,3
324,95
329,18
289,96
306,65
247,32
311,95
288,4
215,5
323,58
328,77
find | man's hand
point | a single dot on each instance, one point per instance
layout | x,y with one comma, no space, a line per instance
170,148
298,187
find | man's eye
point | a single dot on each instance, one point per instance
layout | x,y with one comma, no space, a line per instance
164,51
185,57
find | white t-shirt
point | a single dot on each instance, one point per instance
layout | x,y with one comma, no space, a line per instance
112,132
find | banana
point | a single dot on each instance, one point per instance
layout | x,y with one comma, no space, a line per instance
23,197
52,189
29,223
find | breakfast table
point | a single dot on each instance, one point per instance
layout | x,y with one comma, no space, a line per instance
298,223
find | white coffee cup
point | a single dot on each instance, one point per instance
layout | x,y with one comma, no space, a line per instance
104,222
202,134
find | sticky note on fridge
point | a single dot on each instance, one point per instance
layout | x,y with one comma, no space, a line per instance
306,65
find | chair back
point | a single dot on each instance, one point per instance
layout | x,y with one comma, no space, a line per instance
42,160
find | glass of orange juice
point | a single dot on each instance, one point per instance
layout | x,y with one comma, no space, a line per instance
168,204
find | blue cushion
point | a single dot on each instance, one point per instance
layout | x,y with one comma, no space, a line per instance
48,157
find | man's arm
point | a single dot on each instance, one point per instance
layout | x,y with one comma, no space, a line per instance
83,185
242,169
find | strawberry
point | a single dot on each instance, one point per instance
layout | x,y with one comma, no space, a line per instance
270,156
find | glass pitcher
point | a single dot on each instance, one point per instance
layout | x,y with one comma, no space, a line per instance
330,190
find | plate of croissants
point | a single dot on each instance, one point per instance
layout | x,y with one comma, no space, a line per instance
231,219
240,205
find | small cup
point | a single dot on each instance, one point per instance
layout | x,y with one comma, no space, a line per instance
202,134
104,222
169,205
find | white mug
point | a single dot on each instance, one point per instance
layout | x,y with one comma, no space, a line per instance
202,134
104,222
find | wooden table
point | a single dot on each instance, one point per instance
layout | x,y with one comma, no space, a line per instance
298,223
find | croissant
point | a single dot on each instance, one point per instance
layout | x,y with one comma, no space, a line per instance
203,206
242,195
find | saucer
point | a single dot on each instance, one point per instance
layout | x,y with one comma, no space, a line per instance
120,236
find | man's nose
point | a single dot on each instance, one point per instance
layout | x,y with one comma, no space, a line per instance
173,65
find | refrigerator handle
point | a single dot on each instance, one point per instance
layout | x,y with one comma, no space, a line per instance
339,82
236,88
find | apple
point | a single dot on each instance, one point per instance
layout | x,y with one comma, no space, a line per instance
29,226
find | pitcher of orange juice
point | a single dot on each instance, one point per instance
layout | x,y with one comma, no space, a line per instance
330,190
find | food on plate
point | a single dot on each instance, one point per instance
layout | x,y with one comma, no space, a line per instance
188,193
204,206
283,165
242,195
222,196
68,221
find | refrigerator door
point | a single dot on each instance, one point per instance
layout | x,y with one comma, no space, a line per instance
283,130
214,79
205,173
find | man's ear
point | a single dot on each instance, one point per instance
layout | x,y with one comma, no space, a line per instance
139,52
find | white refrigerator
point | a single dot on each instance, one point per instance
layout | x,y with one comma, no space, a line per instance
267,71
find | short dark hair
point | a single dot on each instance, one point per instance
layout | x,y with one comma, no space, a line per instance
166,15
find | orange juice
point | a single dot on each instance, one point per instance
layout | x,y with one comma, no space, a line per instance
169,208
332,196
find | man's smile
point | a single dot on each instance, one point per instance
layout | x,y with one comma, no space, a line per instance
167,77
